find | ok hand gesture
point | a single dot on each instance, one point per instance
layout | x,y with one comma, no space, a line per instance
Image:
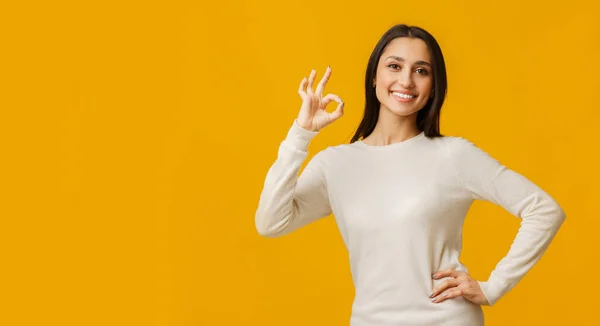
312,115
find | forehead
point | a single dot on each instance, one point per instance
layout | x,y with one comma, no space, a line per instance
411,49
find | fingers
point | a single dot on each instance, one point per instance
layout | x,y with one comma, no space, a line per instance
323,82
458,284
449,272
448,294
450,283
331,97
311,80
301,90
313,101
320,86
339,110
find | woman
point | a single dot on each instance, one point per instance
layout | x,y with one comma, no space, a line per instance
400,192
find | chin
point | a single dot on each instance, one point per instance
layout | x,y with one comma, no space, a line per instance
404,114
403,110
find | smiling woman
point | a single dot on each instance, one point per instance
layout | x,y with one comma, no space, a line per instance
406,60
405,77
404,235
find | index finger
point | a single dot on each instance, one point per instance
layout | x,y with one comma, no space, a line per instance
323,82
444,286
445,273
302,87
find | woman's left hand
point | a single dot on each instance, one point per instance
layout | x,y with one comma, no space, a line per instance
460,284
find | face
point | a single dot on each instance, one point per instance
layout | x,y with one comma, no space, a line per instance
404,79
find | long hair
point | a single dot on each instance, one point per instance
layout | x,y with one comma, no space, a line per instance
428,118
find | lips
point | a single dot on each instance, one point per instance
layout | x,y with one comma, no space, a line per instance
403,96
402,92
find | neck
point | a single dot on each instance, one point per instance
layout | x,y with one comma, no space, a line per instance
392,128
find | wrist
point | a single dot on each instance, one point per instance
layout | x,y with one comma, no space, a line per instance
305,127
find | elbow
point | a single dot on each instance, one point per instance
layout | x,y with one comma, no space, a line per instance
562,216
265,227
261,226
265,232
553,211
558,217
268,232
550,215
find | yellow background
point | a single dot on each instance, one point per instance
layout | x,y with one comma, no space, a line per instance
135,137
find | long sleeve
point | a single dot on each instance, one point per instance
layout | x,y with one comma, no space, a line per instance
288,201
541,217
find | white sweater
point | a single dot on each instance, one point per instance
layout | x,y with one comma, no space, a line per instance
400,209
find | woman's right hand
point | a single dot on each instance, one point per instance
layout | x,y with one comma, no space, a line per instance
313,115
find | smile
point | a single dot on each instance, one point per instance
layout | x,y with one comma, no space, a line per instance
402,96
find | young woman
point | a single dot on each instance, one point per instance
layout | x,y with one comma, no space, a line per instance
400,192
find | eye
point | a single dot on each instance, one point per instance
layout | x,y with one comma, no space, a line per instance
394,66
422,71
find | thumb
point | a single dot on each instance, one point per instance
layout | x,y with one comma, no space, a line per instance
339,111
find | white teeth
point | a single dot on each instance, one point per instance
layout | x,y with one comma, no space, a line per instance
403,95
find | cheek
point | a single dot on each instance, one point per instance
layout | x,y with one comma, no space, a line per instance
380,92
383,88
426,85
384,78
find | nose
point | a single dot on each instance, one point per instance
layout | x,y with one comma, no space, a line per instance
406,79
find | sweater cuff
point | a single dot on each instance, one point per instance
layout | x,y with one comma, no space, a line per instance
300,137
493,289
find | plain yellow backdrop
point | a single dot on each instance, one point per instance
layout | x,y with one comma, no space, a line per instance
135,138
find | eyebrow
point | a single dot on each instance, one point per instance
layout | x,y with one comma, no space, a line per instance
421,62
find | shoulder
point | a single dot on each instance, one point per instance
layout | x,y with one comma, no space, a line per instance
338,154
464,153
328,154
340,149
452,145
334,153
454,140
462,143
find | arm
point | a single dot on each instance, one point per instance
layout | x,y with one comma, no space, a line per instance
288,202
541,216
